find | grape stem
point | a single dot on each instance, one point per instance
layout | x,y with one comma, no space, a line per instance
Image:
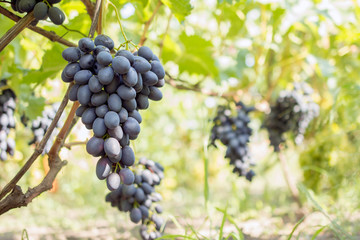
148,22
50,35
119,20
71,144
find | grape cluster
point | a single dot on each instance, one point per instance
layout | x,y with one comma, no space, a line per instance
138,198
40,125
233,132
42,9
7,121
293,111
111,90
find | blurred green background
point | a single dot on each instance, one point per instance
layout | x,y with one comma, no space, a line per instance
248,50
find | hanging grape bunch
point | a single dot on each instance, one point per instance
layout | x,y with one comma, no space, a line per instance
7,121
292,112
111,90
40,125
42,9
234,133
138,199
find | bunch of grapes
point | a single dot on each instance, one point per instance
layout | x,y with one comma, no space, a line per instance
293,112
40,125
7,121
111,90
42,9
139,197
233,132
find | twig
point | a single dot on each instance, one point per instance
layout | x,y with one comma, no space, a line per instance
148,22
18,199
289,180
161,45
60,138
174,83
95,19
73,30
39,149
16,30
50,35
71,144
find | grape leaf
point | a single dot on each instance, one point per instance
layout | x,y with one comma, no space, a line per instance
52,63
197,56
180,8
31,105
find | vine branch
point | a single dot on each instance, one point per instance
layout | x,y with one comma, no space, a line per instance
39,149
16,30
95,19
17,198
195,88
148,22
49,35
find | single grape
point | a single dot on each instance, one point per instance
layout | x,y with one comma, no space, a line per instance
104,41
126,93
103,168
113,181
120,64
127,176
104,58
86,45
99,127
131,78
141,65
155,94
95,146
94,85
106,75
149,78
112,119
112,147
71,54
101,110
56,15
84,94
83,76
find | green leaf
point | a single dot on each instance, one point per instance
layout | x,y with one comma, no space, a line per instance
197,57
52,63
30,105
180,8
